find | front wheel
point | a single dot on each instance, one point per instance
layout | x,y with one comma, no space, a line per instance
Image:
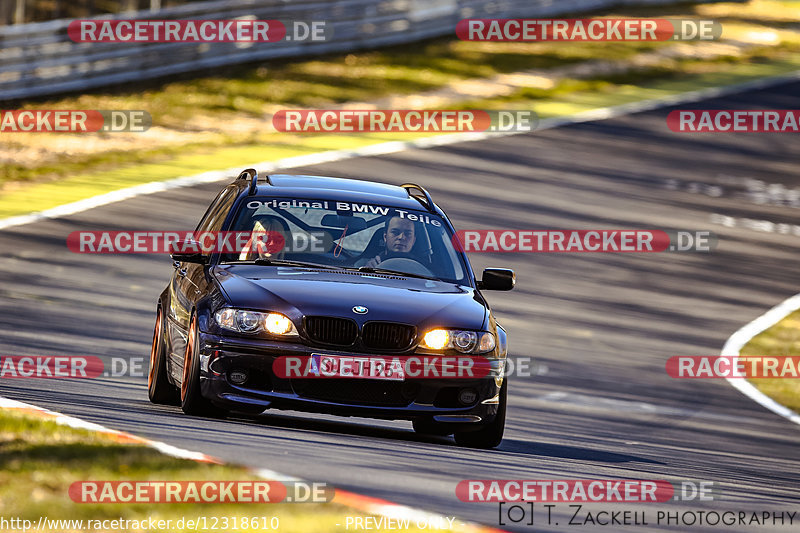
159,389
491,435
192,402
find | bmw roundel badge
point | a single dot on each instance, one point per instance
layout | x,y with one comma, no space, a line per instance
360,309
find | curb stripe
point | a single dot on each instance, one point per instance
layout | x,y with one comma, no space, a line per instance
735,343
113,434
365,504
266,167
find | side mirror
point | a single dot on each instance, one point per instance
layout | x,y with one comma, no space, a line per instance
497,279
188,251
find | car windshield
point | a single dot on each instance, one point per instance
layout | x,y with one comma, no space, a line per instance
352,235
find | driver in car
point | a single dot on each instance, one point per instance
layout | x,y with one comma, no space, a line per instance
399,237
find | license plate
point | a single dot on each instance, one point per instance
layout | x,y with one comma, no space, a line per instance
348,366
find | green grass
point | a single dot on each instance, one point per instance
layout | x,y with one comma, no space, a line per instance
250,90
589,94
361,76
39,460
82,185
782,339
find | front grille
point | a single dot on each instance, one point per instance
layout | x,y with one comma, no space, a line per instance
331,330
387,335
355,391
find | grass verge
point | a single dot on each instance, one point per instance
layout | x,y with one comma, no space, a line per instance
782,339
40,459
84,184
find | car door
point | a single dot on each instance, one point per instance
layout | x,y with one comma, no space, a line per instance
190,282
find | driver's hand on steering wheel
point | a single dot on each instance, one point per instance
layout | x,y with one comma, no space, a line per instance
375,261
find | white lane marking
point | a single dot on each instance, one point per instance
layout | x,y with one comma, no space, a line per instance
625,406
754,224
388,148
737,341
117,196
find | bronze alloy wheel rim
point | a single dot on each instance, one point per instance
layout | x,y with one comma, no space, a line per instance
187,359
154,349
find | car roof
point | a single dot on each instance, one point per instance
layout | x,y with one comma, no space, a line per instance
330,188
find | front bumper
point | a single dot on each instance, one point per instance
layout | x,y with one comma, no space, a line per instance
436,398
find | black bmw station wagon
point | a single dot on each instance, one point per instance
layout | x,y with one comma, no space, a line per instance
359,302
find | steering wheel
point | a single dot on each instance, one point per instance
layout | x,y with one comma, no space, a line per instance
405,262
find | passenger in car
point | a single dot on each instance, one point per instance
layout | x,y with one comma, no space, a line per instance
270,235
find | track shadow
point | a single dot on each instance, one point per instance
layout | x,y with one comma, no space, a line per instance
345,427
569,452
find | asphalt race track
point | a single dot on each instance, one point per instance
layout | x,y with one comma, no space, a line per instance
600,326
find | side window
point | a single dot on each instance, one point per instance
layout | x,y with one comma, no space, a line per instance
215,216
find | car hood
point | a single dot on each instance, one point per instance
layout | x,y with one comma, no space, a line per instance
299,291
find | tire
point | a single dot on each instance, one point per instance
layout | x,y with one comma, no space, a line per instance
159,389
427,426
491,435
192,402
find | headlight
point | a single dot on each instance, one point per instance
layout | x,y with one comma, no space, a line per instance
461,340
436,339
465,341
277,324
244,321
226,318
248,321
486,343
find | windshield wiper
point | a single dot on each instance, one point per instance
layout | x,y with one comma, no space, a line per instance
376,270
283,262
368,270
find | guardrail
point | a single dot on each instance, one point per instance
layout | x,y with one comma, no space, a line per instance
39,59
